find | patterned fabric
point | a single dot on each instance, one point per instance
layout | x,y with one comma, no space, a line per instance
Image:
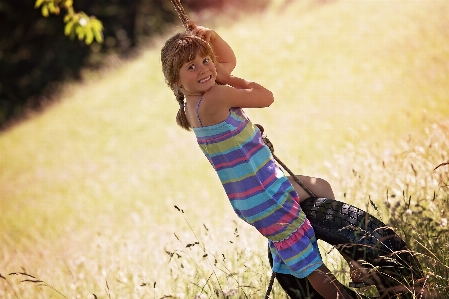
259,192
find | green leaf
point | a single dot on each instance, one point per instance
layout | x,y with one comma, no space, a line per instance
68,28
51,6
44,10
96,24
89,34
98,35
76,18
80,32
38,3
89,37
72,35
68,3
83,15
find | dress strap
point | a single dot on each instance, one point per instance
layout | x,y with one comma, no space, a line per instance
197,107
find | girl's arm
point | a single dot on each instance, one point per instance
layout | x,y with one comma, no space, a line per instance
224,53
237,93
240,93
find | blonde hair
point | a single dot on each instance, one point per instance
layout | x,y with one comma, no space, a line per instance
179,49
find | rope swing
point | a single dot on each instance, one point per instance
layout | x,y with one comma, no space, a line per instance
181,13
185,21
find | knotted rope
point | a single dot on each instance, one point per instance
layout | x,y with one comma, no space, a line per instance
185,21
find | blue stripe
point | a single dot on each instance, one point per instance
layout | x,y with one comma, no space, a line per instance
248,203
275,211
241,152
229,124
241,171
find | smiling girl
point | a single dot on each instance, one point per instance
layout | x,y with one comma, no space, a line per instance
197,66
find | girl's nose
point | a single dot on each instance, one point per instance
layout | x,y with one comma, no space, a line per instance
203,69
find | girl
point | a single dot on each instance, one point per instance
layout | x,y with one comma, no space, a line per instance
193,63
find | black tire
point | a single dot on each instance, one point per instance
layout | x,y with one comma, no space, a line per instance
363,238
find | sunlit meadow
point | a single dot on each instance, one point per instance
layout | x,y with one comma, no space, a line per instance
88,188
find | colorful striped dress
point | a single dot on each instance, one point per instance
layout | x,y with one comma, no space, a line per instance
259,192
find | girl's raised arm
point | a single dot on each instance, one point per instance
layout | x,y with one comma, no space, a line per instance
224,53
238,92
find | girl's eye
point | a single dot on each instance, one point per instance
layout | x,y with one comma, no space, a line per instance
191,67
206,60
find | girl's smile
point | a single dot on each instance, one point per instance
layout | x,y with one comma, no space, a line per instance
205,80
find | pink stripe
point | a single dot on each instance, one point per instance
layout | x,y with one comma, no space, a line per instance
295,237
253,190
244,194
269,179
228,164
281,223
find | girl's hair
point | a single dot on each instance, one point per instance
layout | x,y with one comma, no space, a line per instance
179,49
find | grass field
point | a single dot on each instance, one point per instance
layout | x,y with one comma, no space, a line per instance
88,187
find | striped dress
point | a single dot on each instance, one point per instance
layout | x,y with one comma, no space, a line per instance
259,192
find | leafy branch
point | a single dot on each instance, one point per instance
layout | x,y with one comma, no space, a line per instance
77,24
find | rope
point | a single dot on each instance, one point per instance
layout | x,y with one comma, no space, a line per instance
181,13
270,285
271,147
185,21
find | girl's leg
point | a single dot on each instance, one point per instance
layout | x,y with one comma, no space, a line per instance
320,187
327,285
322,279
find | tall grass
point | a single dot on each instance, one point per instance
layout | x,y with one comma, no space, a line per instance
88,187
405,183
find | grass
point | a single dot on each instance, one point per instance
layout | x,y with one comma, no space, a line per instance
88,187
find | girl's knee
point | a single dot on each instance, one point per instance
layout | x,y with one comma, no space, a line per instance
320,187
323,183
325,189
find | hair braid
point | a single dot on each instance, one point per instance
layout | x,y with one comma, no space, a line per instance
181,117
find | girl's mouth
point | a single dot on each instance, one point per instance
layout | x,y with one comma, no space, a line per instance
205,79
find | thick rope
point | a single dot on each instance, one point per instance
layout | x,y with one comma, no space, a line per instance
181,13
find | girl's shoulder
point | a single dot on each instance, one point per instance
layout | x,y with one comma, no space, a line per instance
218,91
213,107
216,96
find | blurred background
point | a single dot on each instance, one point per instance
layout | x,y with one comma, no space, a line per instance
35,56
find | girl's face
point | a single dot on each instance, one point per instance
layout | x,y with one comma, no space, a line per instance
197,76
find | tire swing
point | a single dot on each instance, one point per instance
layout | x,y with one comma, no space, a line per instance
360,237
391,267
357,235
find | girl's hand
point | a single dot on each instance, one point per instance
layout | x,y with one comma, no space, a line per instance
205,33
222,50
